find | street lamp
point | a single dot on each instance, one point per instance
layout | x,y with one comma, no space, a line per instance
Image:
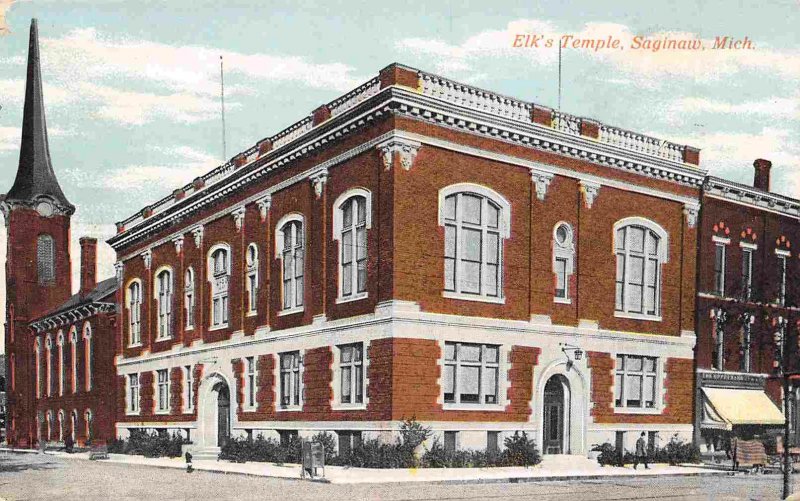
782,369
577,353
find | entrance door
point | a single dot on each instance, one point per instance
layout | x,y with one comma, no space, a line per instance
223,414
553,419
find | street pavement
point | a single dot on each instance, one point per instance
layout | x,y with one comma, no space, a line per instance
31,476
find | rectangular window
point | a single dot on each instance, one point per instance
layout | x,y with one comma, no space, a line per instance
747,273
287,436
782,291
450,441
635,382
251,381
471,373
290,379
189,310
652,440
348,441
133,393
252,293
719,269
163,390
351,370
188,404
561,277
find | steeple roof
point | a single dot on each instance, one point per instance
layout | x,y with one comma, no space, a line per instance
35,176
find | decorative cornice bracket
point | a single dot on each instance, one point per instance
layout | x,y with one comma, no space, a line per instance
691,211
406,148
263,206
318,179
541,180
238,217
147,256
590,190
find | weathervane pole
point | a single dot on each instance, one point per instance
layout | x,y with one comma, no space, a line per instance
222,102
559,75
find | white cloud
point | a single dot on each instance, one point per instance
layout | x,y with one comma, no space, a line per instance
776,107
701,65
9,138
182,164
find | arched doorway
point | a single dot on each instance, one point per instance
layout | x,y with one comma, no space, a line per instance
556,416
223,413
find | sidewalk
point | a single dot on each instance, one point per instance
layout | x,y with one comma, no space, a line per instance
551,469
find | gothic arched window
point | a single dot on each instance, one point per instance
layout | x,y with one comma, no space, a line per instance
45,259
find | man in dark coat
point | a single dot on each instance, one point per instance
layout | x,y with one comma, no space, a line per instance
641,452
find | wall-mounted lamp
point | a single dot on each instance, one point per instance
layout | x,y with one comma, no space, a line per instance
577,353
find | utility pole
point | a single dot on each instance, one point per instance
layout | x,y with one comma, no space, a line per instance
782,361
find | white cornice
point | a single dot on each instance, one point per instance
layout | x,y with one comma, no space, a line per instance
401,101
736,193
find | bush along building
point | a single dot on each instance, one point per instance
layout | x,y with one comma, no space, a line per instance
418,248
60,347
747,309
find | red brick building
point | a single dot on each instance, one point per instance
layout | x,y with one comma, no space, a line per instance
60,347
418,248
747,294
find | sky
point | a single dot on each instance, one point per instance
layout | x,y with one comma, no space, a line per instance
132,88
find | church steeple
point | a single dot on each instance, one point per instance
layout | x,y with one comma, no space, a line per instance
36,183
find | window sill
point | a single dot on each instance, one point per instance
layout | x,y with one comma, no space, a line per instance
132,413
188,411
562,300
637,316
291,408
189,328
637,410
218,327
475,298
251,313
356,297
290,311
136,345
349,407
474,407
249,409
165,338
162,413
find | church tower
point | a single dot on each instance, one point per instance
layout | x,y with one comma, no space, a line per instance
38,266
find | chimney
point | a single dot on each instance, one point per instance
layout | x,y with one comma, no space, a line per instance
761,177
88,265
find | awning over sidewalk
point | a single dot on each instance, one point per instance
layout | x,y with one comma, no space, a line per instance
724,408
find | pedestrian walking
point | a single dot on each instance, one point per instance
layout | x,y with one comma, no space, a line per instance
641,453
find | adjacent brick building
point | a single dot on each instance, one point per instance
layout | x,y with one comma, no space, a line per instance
747,298
418,248
60,347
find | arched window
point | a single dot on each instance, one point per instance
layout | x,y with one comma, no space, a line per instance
74,424
640,246
73,341
189,298
219,273
251,285
563,260
351,220
134,302
87,417
62,366
87,346
50,368
476,219
13,375
290,243
49,425
61,423
45,259
164,303
37,349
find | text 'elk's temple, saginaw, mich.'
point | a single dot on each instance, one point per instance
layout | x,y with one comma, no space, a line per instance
415,248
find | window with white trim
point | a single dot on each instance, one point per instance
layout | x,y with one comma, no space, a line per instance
45,259
163,390
471,373
351,373
87,420
352,235
164,305
62,366
188,390
61,422
563,260
219,271
475,221
134,313
73,339
720,255
37,348
636,382
250,382
87,347
782,278
291,382
50,369
133,393
291,249
188,300
747,273
640,247
251,283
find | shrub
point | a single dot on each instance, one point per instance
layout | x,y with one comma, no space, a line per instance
151,445
676,452
265,450
520,451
